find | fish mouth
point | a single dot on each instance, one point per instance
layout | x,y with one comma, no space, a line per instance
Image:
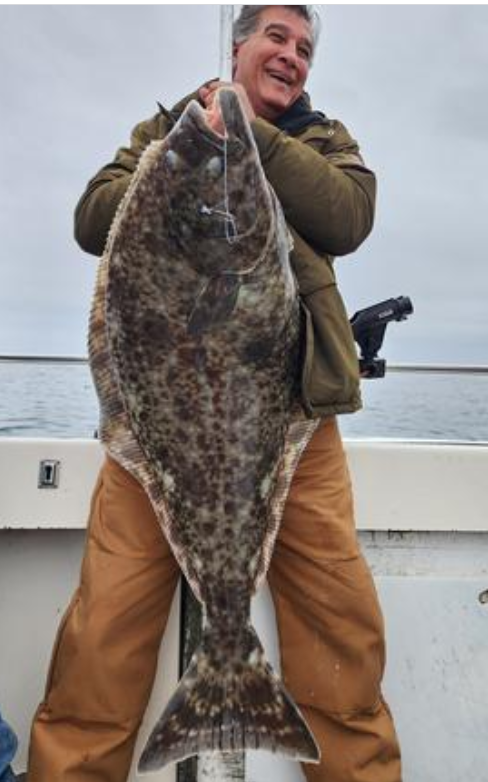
238,134
236,123
197,115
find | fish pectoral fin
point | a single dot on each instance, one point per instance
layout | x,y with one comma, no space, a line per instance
222,706
215,303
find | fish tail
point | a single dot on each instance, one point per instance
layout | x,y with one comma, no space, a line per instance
229,705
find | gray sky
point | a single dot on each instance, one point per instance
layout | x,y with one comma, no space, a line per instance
410,83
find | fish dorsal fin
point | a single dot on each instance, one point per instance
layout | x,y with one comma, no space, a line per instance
215,303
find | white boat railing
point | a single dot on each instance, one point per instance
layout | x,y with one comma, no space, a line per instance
454,368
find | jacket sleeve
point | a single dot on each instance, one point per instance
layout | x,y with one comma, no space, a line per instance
326,191
98,204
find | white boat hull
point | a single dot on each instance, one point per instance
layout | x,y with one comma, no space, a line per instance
424,529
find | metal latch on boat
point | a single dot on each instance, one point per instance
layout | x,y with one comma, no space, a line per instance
49,474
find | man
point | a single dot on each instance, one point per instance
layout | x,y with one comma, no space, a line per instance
329,622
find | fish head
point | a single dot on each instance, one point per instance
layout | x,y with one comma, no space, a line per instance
218,203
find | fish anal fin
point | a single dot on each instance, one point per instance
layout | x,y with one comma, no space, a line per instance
215,303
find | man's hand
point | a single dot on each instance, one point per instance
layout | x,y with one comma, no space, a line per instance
214,117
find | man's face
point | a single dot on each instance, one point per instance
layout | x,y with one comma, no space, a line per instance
273,63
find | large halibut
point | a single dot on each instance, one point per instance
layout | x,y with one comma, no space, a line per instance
195,349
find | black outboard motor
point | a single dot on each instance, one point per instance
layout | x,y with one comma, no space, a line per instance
369,326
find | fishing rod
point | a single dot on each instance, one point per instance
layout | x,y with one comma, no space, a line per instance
226,22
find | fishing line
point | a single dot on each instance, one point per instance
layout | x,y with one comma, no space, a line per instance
231,233
230,221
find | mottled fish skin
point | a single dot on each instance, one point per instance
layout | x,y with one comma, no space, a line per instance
201,343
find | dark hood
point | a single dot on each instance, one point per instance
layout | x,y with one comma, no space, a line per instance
300,115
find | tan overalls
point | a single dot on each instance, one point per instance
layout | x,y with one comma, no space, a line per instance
329,623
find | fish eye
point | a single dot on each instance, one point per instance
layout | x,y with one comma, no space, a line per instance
214,167
173,160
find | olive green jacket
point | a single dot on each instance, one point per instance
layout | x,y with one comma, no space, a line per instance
327,195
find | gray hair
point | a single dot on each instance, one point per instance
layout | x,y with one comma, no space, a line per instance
248,20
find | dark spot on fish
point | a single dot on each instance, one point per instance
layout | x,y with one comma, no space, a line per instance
183,408
230,507
249,445
245,486
190,149
238,197
172,376
193,484
202,443
156,328
150,243
236,150
181,435
190,356
200,359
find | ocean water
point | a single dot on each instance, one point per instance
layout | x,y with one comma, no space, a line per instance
59,400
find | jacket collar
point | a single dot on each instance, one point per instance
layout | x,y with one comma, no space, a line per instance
299,116
296,118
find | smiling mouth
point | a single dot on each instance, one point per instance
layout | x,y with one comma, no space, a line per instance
280,78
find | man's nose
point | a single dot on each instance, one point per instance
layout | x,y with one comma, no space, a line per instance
289,55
